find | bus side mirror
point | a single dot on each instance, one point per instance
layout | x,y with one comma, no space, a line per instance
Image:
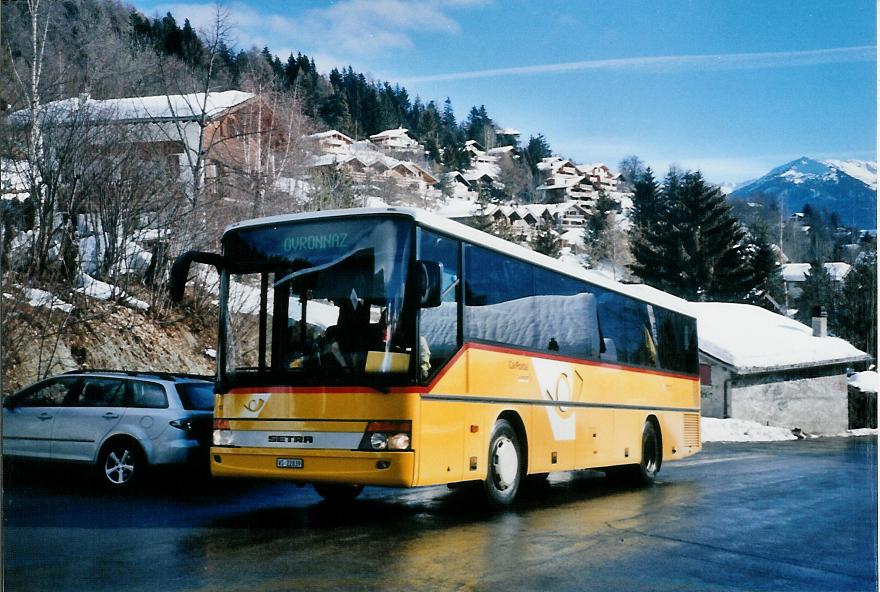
180,270
430,282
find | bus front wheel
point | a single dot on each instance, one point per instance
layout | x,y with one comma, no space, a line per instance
504,471
338,492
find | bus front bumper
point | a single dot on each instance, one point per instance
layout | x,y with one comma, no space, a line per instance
331,466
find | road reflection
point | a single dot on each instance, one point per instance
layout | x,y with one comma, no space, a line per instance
428,537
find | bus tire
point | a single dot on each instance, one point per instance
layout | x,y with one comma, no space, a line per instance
338,492
504,469
652,455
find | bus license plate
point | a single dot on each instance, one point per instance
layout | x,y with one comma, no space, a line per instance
289,463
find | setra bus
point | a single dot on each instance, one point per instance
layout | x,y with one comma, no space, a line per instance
398,348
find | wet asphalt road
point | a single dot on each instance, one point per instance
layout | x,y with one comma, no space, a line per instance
779,516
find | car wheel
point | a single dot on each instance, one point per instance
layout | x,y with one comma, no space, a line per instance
120,465
504,470
338,492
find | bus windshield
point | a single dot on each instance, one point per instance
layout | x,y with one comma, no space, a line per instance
317,302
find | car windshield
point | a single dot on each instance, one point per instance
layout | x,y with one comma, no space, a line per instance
317,301
196,396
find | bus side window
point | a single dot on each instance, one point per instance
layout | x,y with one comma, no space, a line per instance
568,310
439,330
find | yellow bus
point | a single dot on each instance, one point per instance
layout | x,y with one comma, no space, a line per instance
394,347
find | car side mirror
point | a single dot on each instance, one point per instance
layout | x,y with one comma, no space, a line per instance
430,282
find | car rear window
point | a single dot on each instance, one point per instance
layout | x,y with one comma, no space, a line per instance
196,396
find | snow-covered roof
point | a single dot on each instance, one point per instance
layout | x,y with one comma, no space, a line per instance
392,133
141,109
561,182
508,131
797,272
330,134
456,176
867,382
752,339
575,236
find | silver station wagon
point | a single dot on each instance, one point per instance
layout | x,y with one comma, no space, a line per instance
119,422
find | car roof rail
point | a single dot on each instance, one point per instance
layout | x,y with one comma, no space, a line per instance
173,376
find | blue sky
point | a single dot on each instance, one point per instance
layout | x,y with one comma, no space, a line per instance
733,88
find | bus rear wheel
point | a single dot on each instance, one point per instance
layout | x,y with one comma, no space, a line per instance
652,455
338,492
504,471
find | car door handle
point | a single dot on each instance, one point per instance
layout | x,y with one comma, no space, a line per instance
44,416
110,415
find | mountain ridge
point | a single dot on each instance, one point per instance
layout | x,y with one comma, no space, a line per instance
845,187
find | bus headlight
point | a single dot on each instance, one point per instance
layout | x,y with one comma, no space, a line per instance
222,438
222,434
378,441
398,442
387,435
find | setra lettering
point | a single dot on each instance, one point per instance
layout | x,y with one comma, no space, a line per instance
275,439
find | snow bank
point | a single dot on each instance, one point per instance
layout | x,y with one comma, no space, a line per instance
741,430
859,432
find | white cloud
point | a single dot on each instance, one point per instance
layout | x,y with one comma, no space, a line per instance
679,63
351,28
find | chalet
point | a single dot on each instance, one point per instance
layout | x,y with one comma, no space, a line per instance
397,140
765,367
458,186
168,128
795,274
330,142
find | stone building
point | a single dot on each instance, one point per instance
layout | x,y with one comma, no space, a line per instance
761,366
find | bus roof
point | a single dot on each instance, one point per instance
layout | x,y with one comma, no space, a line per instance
472,235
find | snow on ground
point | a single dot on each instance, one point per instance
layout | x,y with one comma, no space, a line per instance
104,291
43,299
867,382
859,432
740,430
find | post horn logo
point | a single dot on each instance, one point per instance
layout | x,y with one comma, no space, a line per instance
254,405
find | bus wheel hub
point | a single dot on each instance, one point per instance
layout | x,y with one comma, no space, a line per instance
506,462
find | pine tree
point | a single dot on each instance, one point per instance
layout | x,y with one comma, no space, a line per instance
596,228
546,241
685,240
536,150
818,293
857,312
768,290
652,237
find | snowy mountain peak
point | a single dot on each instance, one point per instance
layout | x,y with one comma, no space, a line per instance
848,187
